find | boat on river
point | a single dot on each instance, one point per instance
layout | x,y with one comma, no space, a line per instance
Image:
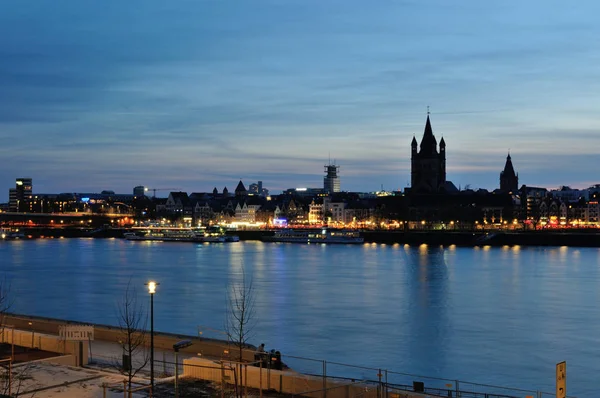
219,231
11,234
172,235
322,235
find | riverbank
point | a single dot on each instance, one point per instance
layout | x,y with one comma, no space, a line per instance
469,238
98,375
463,238
575,238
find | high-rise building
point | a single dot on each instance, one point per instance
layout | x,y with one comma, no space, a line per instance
509,180
12,199
139,191
257,189
331,181
428,166
20,197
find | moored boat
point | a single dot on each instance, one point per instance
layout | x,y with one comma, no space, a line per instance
9,234
324,235
172,235
218,231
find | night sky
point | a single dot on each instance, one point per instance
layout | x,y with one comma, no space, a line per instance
198,94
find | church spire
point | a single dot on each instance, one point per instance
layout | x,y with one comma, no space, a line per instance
509,170
509,180
428,143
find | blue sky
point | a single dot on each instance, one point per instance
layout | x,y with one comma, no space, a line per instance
197,94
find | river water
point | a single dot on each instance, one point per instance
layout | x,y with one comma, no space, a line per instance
501,316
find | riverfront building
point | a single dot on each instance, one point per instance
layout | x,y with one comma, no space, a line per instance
20,196
331,181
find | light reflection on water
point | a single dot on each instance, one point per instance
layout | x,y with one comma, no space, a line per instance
493,315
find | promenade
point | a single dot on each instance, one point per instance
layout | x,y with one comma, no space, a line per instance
85,368
94,369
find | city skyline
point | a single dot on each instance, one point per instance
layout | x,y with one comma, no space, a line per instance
196,94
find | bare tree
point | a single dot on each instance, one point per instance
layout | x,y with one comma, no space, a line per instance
11,377
14,378
5,303
133,319
240,320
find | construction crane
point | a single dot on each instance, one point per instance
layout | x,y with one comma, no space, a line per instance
160,189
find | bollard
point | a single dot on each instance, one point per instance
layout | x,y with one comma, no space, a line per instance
386,384
10,377
260,382
246,381
176,376
324,379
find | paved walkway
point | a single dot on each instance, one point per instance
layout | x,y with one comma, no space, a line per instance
49,380
104,350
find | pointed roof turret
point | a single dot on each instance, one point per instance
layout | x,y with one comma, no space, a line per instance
442,142
414,141
509,170
240,189
428,143
509,180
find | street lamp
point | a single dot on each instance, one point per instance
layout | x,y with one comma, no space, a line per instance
152,289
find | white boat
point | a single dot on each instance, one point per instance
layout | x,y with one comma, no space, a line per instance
171,235
218,231
9,234
324,235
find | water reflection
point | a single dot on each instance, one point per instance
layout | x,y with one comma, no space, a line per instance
429,323
493,315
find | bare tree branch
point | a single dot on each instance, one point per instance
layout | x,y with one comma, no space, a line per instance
240,314
239,320
6,378
133,320
6,302
18,374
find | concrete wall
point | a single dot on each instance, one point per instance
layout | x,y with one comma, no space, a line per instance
286,382
45,342
66,360
206,347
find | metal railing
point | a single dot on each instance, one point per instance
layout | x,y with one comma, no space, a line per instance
390,382
379,383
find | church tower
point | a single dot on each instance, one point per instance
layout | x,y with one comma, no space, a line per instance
428,166
509,180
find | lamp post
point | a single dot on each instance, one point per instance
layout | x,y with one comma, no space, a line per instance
152,289
32,335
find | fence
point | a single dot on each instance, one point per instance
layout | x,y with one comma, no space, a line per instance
317,379
391,384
